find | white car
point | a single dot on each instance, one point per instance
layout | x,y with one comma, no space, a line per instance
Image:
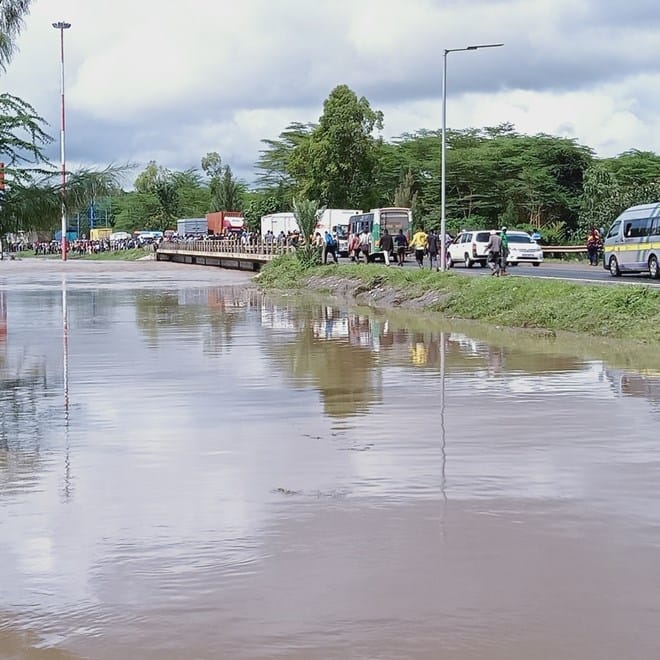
469,247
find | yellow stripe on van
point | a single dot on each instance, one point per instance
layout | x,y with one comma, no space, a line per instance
632,247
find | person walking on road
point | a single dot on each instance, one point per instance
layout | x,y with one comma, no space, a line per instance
433,247
494,249
329,247
365,244
504,254
386,245
419,244
401,242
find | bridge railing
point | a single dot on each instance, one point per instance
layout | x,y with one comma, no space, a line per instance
258,248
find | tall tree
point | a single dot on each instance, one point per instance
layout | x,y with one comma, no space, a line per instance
12,13
338,162
226,192
273,167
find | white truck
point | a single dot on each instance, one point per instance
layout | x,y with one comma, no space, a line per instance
336,221
278,222
332,220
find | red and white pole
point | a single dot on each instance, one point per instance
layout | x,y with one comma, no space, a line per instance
61,26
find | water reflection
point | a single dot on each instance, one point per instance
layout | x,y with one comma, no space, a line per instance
195,471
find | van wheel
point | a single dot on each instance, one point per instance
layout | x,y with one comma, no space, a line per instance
653,267
614,267
468,262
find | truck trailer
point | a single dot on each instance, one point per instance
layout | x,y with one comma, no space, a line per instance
225,222
187,226
278,222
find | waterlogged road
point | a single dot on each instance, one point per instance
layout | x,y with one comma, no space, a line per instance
189,469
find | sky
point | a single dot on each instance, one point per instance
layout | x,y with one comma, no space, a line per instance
170,81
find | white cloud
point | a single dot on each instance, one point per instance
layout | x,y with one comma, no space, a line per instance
160,80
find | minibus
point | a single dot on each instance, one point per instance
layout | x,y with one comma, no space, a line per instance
632,244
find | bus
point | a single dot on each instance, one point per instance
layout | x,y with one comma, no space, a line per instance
393,219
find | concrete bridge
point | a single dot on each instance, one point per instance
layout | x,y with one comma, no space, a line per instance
222,253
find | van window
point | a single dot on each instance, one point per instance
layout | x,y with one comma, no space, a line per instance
655,229
638,228
482,237
614,229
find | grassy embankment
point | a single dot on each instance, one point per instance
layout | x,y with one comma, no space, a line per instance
117,255
630,312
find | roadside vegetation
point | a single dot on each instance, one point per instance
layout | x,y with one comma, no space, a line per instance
611,311
115,255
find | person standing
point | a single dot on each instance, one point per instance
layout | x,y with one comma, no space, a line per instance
329,247
593,245
419,244
433,246
494,249
401,242
504,254
365,244
386,245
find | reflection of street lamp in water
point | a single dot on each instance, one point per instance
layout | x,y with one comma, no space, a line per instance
65,381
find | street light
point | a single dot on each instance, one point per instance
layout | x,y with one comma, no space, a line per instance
61,26
443,216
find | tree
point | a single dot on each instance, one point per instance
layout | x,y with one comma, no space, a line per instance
338,162
307,212
226,191
274,164
12,13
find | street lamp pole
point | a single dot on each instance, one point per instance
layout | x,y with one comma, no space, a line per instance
61,26
443,213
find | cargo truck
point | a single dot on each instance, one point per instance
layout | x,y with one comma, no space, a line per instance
277,222
187,226
225,222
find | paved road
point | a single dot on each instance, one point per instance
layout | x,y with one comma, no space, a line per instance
569,271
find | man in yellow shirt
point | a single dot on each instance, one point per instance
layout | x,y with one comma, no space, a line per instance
419,243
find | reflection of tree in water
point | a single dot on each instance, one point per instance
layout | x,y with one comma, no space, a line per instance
345,371
212,312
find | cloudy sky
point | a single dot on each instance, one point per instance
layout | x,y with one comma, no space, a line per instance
169,81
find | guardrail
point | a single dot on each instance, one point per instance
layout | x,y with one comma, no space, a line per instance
563,249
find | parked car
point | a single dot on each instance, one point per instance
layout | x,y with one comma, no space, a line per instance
469,247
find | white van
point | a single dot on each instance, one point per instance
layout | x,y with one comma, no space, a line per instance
632,244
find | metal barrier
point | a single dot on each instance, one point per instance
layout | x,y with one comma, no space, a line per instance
563,249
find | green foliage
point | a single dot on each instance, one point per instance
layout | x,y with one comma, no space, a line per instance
11,22
336,165
307,212
259,206
285,272
22,138
226,192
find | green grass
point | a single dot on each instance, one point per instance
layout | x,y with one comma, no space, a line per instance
118,255
630,312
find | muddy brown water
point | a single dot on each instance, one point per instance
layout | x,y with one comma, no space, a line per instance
189,469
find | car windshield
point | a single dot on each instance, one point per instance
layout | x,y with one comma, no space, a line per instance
520,238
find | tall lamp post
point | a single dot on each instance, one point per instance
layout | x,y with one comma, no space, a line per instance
61,26
443,215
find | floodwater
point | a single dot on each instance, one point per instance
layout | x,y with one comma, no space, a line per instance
191,470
